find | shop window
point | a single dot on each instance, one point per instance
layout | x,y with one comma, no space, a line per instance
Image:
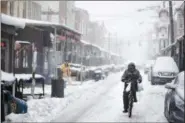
25,58
17,59
21,56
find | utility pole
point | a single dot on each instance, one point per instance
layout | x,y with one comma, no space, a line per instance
171,25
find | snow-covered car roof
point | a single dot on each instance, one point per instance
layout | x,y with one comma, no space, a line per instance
165,63
98,71
75,65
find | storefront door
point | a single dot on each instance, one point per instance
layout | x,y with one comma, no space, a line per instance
4,55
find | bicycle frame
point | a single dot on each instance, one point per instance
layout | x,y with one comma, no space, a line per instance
130,97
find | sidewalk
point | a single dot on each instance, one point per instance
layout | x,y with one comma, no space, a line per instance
46,109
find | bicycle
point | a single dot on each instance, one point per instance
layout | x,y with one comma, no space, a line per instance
130,98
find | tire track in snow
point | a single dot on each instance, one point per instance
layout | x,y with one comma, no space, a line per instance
75,112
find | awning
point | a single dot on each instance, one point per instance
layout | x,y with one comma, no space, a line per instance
12,21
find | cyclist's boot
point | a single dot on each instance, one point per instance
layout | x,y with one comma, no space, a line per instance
125,111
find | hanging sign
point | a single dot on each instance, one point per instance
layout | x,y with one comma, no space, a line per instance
61,38
3,44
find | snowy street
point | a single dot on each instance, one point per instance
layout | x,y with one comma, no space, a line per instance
104,103
97,102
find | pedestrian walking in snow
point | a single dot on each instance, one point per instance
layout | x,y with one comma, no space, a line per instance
66,72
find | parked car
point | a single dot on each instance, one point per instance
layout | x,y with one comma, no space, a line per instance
164,70
99,74
77,70
174,100
148,65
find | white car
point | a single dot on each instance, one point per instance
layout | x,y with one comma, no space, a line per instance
163,71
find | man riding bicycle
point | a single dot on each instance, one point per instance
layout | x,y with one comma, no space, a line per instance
131,74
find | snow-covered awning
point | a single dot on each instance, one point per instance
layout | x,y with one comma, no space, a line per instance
180,38
22,22
7,78
23,42
46,23
169,46
12,21
84,42
100,48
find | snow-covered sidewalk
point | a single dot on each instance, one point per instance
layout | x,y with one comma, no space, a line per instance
44,110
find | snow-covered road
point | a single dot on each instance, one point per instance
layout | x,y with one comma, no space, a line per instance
104,103
97,102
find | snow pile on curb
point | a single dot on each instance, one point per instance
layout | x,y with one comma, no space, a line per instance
8,77
41,110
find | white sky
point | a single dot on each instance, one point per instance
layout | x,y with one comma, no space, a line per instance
121,16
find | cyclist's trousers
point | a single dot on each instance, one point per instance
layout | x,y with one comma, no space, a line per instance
126,100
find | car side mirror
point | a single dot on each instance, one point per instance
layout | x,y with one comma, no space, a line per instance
170,86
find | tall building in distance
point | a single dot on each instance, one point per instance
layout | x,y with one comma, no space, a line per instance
32,10
13,8
67,13
82,22
49,10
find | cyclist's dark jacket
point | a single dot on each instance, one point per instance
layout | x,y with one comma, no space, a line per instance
134,76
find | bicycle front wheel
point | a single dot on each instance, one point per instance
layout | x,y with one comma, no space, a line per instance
130,106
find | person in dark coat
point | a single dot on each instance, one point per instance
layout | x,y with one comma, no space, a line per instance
130,74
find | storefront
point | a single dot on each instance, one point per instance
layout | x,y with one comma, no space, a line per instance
9,28
7,39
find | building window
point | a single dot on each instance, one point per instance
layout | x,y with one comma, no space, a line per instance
17,59
11,8
21,55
